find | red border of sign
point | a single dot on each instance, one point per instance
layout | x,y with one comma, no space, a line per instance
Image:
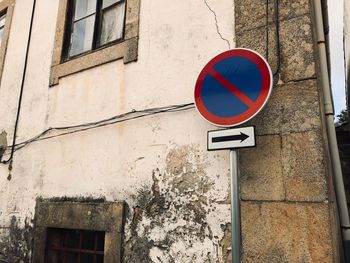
265,91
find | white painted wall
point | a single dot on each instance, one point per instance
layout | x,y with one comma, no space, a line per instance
117,161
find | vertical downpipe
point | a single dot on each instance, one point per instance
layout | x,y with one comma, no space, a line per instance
332,140
10,160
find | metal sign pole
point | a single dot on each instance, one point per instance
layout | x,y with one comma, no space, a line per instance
235,209
230,71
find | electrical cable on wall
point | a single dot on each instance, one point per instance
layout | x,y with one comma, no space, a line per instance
131,115
278,45
127,116
277,35
22,84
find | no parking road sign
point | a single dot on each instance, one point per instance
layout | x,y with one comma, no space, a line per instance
233,87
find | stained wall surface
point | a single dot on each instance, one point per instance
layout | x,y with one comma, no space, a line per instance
176,193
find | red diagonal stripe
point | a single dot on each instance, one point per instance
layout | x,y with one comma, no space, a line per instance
232,88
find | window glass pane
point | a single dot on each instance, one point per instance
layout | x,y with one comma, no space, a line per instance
99,259
73,238
88,240
72,258
107,3
2,26
2,21
1,34
53,241
82,36
112,23
87,258
100,241
72,244
84,8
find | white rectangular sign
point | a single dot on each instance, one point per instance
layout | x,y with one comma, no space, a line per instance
231,138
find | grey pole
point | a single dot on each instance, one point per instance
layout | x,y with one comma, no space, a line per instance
343,210
235,209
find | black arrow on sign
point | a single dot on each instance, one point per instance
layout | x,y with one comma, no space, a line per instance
240,137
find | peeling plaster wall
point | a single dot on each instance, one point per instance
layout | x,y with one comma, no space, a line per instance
176,192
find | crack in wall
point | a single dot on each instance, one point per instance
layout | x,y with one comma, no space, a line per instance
216,24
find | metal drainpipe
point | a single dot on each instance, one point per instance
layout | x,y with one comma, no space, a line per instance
10,160
329,112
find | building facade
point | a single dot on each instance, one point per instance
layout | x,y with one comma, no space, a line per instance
97,97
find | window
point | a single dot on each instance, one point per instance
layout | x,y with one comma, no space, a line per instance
6,12
2,26
93,32
71,245
73,232
95,23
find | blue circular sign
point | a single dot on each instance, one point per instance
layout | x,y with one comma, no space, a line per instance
233,87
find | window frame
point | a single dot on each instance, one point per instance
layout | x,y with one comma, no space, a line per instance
105,216
126,48
95,45
59,245
6,7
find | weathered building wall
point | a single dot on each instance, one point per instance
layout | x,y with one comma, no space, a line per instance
177,193
287,206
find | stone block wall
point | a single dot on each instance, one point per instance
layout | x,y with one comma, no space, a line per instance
176,193
287,209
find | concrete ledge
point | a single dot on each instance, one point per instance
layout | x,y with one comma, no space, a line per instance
126,49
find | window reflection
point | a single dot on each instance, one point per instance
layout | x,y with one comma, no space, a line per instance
84,8
2,27
95,23
82,36
112,19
